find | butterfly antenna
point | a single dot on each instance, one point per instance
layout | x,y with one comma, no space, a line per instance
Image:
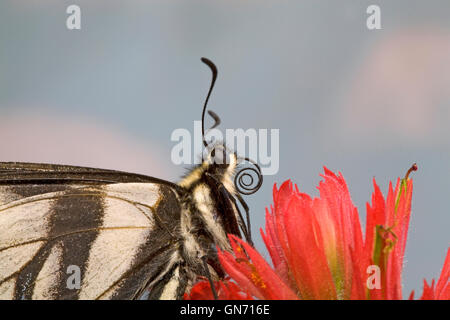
213,68
215,117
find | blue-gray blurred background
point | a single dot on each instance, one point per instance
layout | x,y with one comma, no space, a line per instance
367,103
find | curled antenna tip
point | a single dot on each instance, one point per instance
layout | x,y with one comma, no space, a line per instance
210,64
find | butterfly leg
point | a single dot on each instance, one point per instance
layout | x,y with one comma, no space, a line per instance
230,199
208,275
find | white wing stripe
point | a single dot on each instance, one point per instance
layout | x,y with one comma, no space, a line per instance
24,223
47,281
14,259
113,252
7,289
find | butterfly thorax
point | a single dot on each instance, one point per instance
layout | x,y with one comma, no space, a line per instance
208,214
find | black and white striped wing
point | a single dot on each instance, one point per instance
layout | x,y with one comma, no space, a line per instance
119,236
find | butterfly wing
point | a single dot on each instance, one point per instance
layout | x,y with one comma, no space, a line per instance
41,173
64,240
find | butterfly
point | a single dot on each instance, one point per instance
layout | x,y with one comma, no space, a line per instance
71,232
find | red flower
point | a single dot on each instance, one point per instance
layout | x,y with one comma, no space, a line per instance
442,289
318,249
226,290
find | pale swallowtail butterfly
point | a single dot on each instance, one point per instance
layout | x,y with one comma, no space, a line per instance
130,235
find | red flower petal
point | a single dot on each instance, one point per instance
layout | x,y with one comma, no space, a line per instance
254,274
443,284
306,258
442,289
226,290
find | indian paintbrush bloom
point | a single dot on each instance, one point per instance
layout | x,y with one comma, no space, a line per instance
318,249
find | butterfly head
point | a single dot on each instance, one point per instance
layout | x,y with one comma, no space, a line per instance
217,183
218,167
